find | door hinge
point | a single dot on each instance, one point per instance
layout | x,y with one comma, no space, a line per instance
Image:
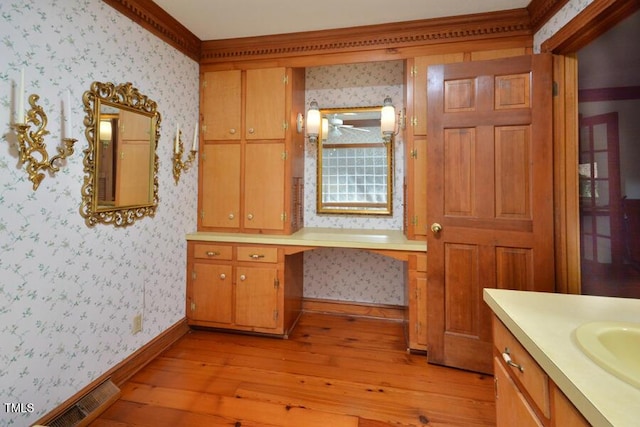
414,153
414,220
193,275
204,128
414,71
193,306
284,155
204,83
555,89
285,125
414,121
283,216
202,214
275,314
276,283
285,79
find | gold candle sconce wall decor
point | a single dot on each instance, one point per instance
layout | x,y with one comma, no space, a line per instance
178,149
31,141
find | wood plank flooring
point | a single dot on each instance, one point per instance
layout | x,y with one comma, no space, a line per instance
333,371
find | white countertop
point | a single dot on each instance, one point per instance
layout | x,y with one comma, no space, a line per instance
545,323
322,237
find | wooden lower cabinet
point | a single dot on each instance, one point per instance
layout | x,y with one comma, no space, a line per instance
243,288
525,395
416,286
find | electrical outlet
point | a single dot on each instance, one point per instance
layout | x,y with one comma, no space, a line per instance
137,324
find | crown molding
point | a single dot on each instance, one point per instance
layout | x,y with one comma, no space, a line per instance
540,11
385,38
154,19
381,37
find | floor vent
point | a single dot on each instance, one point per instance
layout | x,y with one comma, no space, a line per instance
88,407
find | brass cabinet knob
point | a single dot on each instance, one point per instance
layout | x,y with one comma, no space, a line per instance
243,277
223,276
252,130
436,228
232,131
250,217
231,216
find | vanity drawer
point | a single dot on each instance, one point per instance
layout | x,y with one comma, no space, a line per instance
257,254
533,379
212,251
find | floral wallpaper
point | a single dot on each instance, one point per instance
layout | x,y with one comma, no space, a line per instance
559,20
68,293
353,275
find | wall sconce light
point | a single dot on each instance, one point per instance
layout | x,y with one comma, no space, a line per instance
30,141
178,150
105,132
313,122
389,126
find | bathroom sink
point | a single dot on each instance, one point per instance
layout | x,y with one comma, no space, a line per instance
614,346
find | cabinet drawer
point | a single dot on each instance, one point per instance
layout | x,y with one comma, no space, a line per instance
212,251
534,380
257,254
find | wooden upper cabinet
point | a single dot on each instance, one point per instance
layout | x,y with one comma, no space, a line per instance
220,185
264,186
251,159
222,102
418,76
265,104
135,126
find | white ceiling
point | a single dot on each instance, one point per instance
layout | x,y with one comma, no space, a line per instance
224,19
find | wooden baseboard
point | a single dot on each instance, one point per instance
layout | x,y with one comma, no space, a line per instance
127,368
378,311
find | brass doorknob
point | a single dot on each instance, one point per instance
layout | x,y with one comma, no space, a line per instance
436,228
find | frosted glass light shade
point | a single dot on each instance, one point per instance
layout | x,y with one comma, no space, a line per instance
387,119
313,121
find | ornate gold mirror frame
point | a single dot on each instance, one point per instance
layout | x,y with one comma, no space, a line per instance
131,165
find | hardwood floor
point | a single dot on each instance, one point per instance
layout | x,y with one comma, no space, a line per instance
333,371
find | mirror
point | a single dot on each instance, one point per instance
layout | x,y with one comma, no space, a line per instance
355,167
121,164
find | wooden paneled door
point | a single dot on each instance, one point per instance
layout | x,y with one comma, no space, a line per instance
489,197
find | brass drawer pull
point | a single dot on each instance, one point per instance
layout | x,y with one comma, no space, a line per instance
256,256
212,253
507,358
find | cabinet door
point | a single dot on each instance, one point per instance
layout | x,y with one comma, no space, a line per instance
211,293
417,310
134,126
264,186
220,185
265,104
133,184
418,121
221,105
511,407
417,189
257,297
